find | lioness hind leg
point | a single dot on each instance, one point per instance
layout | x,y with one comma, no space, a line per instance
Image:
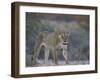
46,56
35,56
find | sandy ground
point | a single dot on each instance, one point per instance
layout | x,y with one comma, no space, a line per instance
40,62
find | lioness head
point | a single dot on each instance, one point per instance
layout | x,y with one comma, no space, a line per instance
63,37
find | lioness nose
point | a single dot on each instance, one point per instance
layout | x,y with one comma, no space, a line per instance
64,40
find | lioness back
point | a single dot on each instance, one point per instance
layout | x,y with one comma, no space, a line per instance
52,39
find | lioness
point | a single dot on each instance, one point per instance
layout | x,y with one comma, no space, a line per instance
53,41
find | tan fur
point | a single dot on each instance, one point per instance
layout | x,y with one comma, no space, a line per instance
51,41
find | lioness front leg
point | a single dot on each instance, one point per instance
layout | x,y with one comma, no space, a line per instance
55,57
65,55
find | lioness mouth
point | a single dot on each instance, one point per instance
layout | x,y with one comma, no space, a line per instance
64,43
